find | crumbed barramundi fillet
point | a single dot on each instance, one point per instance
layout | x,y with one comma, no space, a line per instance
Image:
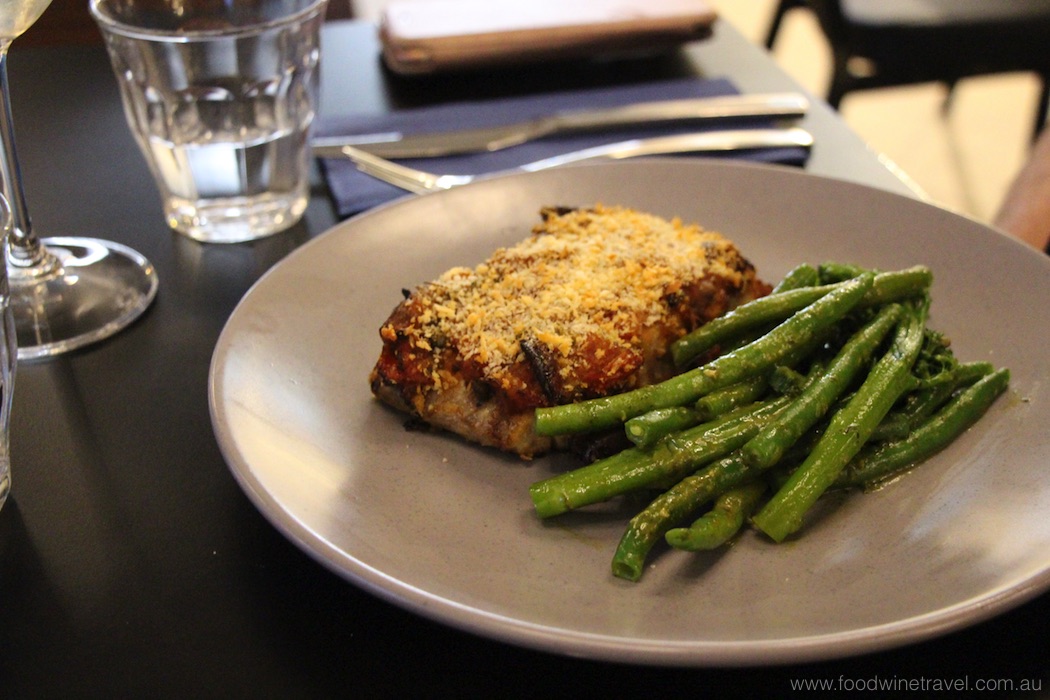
587,306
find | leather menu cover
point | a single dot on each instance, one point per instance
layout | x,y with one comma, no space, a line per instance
429,36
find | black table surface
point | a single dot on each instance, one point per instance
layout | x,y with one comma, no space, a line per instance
132,565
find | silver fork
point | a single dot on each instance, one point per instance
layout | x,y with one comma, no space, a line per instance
420,181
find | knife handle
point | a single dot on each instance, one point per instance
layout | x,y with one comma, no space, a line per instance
698,142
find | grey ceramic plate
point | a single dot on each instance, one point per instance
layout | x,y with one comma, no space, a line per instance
445,529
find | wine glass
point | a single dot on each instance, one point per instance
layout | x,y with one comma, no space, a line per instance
66,292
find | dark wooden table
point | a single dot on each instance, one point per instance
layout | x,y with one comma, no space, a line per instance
131,565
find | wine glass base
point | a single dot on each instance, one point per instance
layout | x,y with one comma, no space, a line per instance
96,290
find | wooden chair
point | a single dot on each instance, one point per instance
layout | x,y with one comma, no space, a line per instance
879,43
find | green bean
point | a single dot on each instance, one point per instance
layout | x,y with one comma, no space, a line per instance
785,380
635,468
878,462
831,272
754,358
782,380
804,275
820,395
721,523
693,491
770,309
847,431
886,287
900,285
922,404
675,506
731,397
647,429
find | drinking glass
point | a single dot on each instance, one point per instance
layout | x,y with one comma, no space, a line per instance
220,97
66,292
7,362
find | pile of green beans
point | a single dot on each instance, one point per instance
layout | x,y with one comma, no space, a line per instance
832,381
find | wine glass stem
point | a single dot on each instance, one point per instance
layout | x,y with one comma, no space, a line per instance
24,251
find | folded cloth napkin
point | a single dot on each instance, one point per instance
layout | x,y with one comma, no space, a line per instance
353,191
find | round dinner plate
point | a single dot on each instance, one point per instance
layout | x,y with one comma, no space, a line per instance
445,528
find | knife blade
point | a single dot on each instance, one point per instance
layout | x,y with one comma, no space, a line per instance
427,145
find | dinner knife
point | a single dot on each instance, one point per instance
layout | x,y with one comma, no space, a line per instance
425,145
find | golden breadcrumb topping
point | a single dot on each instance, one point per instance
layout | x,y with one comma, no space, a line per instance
586,275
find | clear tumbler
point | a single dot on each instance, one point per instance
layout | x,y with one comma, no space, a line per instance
8,358
220,97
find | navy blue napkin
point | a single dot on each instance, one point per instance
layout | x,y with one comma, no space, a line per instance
353,191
